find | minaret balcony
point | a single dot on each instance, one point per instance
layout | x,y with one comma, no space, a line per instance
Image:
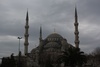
76,24
76,32
27,26
26,35
26,44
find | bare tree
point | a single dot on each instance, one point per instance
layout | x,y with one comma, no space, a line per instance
96,57
96,51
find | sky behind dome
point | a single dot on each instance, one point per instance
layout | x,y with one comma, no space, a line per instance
58,14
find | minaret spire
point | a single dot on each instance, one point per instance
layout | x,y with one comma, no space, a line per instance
76,30
26,43
27,18
40,33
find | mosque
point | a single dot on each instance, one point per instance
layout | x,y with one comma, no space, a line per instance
49,48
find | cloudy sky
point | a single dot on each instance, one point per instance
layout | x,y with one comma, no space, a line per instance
58,14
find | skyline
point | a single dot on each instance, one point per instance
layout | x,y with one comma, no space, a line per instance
58,14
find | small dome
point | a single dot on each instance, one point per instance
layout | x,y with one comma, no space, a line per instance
34,50
52,45
54,37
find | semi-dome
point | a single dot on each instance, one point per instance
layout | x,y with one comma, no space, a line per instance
34,50
54,37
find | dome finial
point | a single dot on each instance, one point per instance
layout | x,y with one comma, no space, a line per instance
54,30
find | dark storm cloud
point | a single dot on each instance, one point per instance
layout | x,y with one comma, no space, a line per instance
58,14
89,10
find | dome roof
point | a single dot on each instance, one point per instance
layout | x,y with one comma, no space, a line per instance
54,37
34,50
52,45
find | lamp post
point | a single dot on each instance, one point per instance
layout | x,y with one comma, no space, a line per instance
19,43
19,52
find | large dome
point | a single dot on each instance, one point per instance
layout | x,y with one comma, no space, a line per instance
52,45
54,37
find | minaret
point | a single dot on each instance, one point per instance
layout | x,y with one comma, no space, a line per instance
26,43
40,39
76,30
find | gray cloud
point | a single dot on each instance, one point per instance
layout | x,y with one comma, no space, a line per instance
58,14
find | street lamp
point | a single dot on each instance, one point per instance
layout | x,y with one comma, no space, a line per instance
19,52
19,43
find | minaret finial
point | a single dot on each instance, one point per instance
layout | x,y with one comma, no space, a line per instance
26,43
76,30
40,33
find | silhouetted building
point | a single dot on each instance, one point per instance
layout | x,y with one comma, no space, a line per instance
48,50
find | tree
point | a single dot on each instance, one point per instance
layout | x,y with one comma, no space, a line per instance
96,51
73,57
8,61
95,57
